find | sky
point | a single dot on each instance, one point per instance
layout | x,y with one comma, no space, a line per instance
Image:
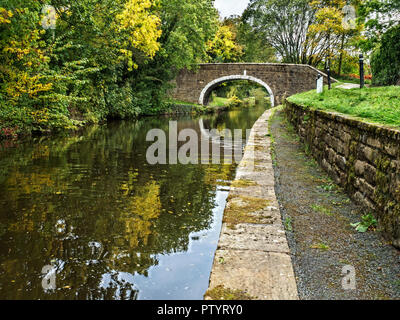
229,7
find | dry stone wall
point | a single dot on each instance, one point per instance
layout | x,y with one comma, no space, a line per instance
362,158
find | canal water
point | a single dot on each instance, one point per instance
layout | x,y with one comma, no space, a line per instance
85,216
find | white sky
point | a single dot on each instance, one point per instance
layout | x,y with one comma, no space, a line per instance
229,7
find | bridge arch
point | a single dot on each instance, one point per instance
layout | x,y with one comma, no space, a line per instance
205,93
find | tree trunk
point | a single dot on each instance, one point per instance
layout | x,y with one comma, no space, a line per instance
341,56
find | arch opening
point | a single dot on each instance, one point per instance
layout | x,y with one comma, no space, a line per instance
206,92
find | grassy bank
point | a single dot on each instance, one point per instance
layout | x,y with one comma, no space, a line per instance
380,105
14,126
235,101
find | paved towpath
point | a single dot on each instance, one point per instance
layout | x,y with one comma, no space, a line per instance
253,255
348,86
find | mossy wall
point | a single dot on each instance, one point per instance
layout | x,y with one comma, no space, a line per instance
362,158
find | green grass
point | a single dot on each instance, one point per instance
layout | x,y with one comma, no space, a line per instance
321,209
288,224
379,105
320,246
219,102
180,102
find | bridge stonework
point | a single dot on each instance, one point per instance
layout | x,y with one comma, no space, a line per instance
281,80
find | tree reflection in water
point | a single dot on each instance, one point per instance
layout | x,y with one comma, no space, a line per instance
113,226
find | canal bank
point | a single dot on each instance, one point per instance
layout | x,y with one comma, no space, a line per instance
317,215
253,260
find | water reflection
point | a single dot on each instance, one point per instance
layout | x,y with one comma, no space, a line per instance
111,225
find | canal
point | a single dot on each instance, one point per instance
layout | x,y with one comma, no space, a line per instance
85,216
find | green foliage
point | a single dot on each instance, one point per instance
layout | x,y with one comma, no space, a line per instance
300,31
380,105
367,221
321,246
370,13
255,48
385,61
288,224
186,26
105,59
219,102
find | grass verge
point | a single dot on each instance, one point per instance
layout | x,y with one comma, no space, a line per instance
379,105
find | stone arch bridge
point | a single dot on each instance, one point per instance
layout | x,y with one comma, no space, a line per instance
280,80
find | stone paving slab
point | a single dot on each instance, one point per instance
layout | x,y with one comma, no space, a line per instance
263,275
264,191
255,257
268,238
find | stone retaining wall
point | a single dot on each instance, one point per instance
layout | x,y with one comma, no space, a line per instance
362,158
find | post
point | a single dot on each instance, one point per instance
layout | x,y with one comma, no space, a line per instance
329,75
362,83
320,83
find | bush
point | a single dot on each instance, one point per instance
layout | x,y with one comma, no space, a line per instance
385,60
234,101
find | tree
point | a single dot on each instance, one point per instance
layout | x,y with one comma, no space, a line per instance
378,16
301,31
385,62
104,59
186,26
328,37
254,47
283,24
224,46
81,67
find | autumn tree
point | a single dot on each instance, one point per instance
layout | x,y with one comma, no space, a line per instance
186,26
66,63
224,46
74,57
329,38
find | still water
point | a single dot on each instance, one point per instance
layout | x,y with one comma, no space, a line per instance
86,217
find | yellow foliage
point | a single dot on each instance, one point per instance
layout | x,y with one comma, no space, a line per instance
328,17
22,61
5,16
22,83
224,47
140,213
142,27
